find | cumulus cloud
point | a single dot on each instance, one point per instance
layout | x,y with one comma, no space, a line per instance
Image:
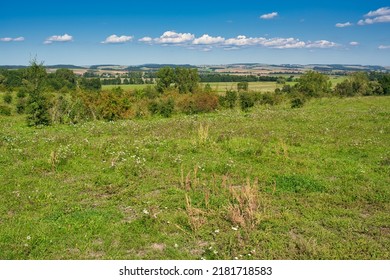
322,44
58,38
269,16
146,40
172,37
114,39
381,15
341,25
9,39
208,40
383,47
380,12
354,43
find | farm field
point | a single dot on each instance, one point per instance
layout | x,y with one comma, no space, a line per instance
271,183
221,87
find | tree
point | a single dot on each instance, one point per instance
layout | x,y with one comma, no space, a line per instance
186,80
93,84
314,84
165,77
242,86
38,103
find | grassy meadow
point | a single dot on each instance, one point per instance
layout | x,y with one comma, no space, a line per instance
271,183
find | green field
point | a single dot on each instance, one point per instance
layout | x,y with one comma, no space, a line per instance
272,183
221,87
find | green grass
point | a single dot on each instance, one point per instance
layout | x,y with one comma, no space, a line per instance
316,184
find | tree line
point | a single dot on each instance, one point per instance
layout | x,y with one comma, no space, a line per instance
62,97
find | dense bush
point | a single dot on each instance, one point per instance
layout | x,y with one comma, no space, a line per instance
5,110
229,100
198,103
246,100
7,97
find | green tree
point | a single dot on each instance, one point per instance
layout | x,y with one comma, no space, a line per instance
246,101
38,102
165,77
92,84
242,86
314,84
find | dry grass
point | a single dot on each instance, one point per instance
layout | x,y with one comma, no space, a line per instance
196,216
244,210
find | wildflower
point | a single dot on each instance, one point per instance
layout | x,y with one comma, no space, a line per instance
28,237
146,212
215,252
216,231
176,246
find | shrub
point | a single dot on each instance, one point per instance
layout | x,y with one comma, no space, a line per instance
246,101
7,98
205,102
167,107
164,107
5,110
270,98
21,105
297,102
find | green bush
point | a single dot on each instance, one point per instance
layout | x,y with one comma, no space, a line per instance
246,101
5,110
7,98
297,102
21,105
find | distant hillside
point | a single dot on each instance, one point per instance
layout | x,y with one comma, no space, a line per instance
67,66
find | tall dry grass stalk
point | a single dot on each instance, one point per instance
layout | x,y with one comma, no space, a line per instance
196,217
244,210
203,133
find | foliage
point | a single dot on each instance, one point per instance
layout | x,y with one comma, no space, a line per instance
38,101
90,84
5,110
7,97
184,79
242,86
314,84
297,102
246,100
229,99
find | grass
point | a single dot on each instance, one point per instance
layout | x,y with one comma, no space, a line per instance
273,183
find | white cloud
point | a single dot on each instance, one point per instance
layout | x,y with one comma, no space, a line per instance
381,15
58,38
341,25
269,16
208,40
172,37
8,39
354,43
383,47
114,39
380,12
322,44
380,19
19,39
146,40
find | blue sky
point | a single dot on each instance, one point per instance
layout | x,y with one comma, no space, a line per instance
195,32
